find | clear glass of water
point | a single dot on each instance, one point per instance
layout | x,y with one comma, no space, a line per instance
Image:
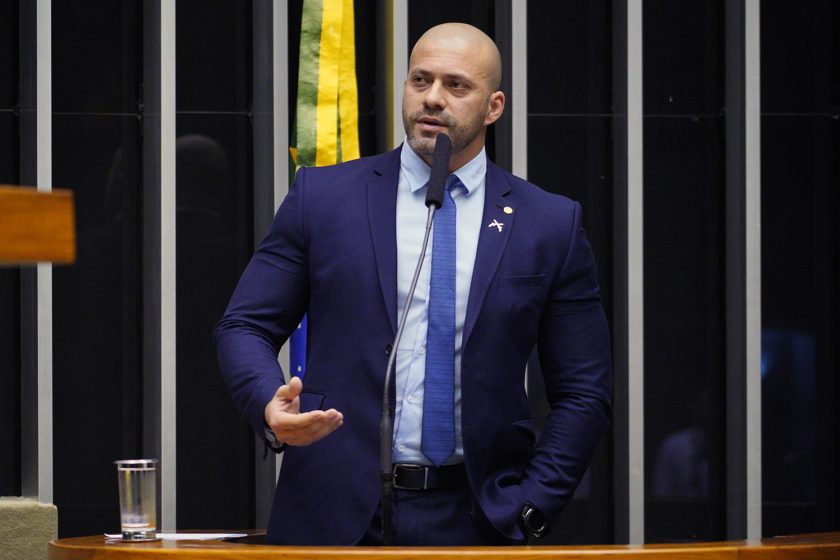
138,500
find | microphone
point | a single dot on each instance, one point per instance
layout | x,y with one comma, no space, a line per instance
434,200
440,170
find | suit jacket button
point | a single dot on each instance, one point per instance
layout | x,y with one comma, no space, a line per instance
388,350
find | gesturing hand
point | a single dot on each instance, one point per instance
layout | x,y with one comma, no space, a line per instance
290,426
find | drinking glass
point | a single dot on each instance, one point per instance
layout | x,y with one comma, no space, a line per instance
138,500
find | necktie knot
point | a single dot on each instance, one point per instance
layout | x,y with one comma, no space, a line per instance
452,181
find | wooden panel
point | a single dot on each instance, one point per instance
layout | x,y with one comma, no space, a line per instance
36,226
813,546
805,547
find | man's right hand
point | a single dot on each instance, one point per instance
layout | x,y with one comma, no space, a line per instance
290,426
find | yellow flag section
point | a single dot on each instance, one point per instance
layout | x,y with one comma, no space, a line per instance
327,120
327,115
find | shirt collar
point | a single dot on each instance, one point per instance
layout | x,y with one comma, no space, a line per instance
417,172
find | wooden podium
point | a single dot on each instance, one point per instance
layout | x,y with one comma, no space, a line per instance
818,546
36,226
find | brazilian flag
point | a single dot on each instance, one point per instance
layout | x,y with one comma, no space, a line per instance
326,128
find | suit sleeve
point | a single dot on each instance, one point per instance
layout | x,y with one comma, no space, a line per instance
267,305
574,352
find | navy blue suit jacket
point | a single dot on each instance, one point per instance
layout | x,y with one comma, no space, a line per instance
331,252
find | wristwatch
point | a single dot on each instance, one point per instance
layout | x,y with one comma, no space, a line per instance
271,439
533,520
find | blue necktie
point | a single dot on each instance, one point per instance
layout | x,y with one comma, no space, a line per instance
438,438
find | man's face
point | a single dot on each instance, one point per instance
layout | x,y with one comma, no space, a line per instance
447,90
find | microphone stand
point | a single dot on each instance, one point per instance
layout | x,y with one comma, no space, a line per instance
386,425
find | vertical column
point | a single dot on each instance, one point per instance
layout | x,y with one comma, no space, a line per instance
398,41
36,285
752,122
519,88
391,65
159,239
743,264
280,63
501,129
628,321
635,273
271,177
265,112
512,131
167,273
264,178
167,316
281,143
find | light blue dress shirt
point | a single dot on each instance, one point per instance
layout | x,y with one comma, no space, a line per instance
411,358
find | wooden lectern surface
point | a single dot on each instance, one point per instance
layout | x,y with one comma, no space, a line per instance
817,546
36,226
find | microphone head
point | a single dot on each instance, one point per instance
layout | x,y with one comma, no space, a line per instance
440,170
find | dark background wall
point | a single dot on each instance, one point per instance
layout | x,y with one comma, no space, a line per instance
214,220
97,84
684,216
9,286
570,120
800,136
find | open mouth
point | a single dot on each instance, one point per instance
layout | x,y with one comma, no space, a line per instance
428,123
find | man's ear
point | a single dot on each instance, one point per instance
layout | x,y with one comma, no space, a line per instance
495,107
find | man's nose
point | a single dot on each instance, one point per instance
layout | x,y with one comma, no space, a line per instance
435,96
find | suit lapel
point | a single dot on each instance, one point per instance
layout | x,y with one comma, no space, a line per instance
491,242
382,216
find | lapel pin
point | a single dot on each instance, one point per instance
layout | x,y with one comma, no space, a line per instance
508,210
496,224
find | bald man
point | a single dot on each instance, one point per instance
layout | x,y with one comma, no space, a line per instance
468,469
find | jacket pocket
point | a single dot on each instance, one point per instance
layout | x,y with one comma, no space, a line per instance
311,401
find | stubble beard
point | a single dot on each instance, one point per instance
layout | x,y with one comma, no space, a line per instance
461,135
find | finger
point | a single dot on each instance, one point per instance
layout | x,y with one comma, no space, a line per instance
309,438
315,431
276,410
307,423
326,422
308,420
289,391
318,431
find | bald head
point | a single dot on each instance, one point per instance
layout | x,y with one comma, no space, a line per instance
452,87
461,37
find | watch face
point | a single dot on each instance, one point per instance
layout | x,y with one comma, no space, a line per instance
534,521
537,520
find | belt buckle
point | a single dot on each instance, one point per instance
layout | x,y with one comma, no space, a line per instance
410,467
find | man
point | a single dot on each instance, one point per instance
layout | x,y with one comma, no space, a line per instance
342,248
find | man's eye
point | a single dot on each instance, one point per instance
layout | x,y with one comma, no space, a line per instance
458,85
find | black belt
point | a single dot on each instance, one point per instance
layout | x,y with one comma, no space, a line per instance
419,477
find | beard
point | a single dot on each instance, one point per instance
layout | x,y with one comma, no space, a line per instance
461,134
